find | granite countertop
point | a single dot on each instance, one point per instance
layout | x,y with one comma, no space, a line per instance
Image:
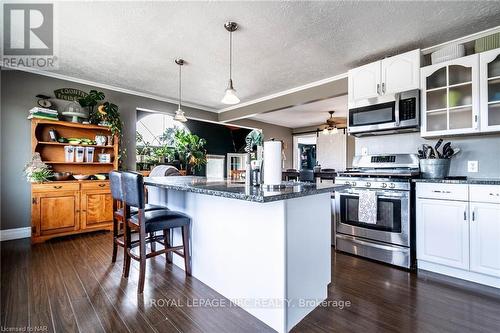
237,190
481,181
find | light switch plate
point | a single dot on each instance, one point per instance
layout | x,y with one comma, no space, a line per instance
472,166
364,151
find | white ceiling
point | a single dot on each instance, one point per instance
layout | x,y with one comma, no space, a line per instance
310,114
280,45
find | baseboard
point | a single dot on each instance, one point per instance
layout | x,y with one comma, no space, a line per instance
459,274
9,234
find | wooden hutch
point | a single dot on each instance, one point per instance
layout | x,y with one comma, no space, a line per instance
60,208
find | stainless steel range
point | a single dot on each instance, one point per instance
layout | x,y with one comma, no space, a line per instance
391,236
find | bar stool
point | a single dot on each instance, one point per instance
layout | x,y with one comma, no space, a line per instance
150,222
115,182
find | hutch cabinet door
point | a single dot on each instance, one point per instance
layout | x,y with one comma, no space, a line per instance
97,208
490,90
55,212
450,97
443,232
485,238
364,82
401,72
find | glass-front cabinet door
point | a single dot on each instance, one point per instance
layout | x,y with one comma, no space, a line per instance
450,97
490,90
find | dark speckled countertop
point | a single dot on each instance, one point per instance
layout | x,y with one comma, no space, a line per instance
481,181
233,190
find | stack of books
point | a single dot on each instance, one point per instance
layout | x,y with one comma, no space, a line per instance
42,113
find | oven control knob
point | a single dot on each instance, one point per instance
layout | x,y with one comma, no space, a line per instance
347,183
392,185
368,184
353,184
384,185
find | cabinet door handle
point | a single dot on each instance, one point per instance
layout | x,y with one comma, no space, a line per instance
57,186
465,215
473,215
437,191
102,185
378,88
383,87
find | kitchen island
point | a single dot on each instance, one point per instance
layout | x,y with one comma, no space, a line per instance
268,251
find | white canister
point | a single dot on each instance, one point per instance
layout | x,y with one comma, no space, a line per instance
89,154
104,158
79,154
69,153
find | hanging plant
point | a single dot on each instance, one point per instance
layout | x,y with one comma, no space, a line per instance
90,101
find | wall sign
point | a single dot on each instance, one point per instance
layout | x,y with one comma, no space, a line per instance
69,94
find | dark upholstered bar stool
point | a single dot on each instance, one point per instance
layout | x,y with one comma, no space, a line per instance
150,222
115,182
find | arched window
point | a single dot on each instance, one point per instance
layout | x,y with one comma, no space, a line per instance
157,129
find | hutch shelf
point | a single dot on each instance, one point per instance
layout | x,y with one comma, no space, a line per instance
60,208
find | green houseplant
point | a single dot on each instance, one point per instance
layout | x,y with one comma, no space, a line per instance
36,171
191,149
90,101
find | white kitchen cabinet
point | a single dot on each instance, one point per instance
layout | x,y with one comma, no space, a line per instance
443,232
450,97
485,238
401,73
364,82
458,231
490,90
388,76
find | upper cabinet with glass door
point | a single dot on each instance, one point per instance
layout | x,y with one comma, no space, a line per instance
490,90
450,97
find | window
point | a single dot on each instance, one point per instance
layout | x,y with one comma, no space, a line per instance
152,127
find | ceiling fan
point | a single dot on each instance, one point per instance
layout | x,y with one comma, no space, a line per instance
333,124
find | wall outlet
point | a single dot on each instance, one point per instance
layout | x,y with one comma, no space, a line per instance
472,166
364,151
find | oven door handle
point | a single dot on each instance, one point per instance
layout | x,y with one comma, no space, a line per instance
380,194
397,96
372,244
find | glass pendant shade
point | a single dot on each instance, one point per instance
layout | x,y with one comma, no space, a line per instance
230,95
334,130
179,115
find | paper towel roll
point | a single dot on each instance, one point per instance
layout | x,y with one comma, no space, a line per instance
272,163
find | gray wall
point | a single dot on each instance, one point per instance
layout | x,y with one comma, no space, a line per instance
482,148
18,91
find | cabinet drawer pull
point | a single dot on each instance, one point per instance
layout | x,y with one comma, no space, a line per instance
437,191
495,194
102,185
57,187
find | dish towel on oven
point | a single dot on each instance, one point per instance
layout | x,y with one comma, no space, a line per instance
367,210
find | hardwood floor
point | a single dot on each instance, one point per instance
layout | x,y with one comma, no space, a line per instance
70,285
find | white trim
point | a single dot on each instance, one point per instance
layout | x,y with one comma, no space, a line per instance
459,273
9,234
109,87
286,92
463,39
201,119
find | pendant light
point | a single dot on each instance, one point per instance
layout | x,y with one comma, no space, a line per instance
230,95
179,114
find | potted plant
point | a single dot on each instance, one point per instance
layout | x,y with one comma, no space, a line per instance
191,150
89,102
36,171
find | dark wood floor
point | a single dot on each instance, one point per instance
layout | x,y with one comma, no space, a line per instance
70,285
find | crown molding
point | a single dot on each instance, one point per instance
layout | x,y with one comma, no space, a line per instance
109,87
285,92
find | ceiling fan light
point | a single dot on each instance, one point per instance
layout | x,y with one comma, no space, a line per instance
179,115
335,130
325,131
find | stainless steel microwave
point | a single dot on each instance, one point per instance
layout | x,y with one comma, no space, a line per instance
397,113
